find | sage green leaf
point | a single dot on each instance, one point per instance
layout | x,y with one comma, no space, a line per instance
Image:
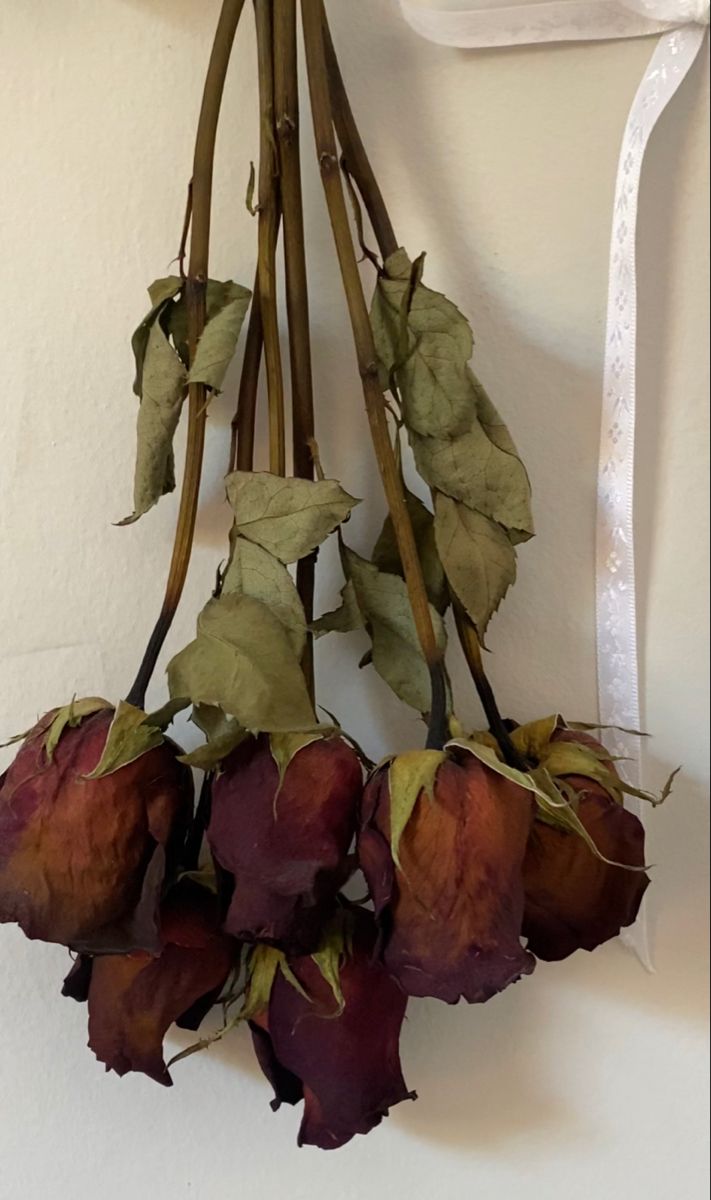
130,737
477,556
253,571
287,517
429,358
385,606
161,293
329,959
386,555
71,715
584,727
224,734
285,746
347,618
242,662
410,776
534,740
472,469
218,343
164,391
163,717
264,962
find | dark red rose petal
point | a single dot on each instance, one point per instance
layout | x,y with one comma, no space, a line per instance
134,999
348,1065
451,917
287,852
573,900
82,861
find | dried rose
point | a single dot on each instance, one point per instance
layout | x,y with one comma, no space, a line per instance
283,818
135,998
441,844
330,1035
83,860
574,899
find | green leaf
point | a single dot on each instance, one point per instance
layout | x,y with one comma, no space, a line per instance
71,715
386,555
130,737
477,556
287,517
224,734
218,343
385,606
164,388
347,618
161,293
429,357
242,662
255,572
410,776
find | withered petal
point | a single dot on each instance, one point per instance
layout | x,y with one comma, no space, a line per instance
574,901
348,1063
79,860
134,999
287,846
452,915
77,983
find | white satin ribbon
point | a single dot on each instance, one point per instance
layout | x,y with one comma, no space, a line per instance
682,23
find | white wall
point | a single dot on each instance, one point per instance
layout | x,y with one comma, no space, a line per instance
587,1080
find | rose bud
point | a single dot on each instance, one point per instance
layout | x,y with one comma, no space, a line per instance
135,998
574,899
441,844
82,860
283,818
330,1037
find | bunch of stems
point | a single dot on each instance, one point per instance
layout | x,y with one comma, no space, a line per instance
343,163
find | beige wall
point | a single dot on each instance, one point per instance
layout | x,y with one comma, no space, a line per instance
587,1080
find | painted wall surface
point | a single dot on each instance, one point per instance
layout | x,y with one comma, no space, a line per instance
589,1079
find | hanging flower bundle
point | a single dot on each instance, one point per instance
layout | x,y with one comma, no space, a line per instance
481,853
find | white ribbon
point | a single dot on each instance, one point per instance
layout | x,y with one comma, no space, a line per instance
682,23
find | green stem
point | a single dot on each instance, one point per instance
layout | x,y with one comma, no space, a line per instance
195,291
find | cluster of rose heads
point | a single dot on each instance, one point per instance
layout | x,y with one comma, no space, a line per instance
471,876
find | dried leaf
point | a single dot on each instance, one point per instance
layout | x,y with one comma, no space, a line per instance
429,360
224,734
385,606
477,556
285,746
164,388
287,517
474,470
242,662
163,717
253,571
264,963
71,715
386,555
161,293
330,957
533,740
218,343
130,736
411,775
345,619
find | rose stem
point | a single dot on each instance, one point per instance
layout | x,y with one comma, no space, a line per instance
286,95
359,168
367,362
195,289
269,219
243,423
